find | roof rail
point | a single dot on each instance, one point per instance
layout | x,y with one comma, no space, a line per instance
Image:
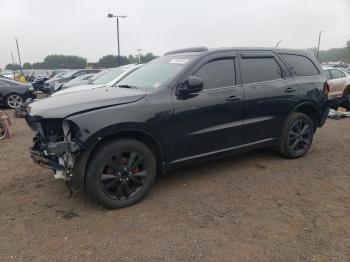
187,50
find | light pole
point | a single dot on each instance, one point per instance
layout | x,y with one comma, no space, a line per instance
278,43
319,41
139,50
19,57
12,58
117,16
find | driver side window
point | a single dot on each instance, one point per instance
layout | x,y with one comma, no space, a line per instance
217,73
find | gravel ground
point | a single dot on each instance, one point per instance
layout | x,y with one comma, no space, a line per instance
252,207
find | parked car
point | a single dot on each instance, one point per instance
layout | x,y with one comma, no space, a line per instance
13,93
339,82
53,84
38,84
108,77
80,80
189,105
7,74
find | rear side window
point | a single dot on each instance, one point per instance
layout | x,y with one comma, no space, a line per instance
217,73
337,74
301,65
260,70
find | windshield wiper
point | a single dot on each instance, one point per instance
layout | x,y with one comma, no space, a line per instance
127,86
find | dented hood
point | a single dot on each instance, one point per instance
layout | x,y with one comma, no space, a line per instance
61,106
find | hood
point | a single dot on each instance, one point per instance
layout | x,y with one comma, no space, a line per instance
76,89
61,106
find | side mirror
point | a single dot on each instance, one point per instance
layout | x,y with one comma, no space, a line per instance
193,84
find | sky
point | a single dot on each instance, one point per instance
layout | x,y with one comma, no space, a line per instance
81,27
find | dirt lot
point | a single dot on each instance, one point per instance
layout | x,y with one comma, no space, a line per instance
252,207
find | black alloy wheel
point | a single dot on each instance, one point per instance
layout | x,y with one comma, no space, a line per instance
121,173
297,136
300,136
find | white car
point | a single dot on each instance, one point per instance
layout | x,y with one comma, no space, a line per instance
339,82
110,78
7,74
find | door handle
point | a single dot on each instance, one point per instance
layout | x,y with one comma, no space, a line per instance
232,98
290,90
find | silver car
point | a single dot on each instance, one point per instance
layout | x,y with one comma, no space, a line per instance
110,78
339,82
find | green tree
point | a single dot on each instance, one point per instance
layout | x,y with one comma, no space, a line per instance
27,66
13,67
348,49
112,61
148,57
64,62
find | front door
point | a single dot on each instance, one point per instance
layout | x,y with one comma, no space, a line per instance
212,119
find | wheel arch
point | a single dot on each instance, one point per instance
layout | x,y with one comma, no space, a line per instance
310,110
79,170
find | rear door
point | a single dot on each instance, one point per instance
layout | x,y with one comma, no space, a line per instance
212,119
269,95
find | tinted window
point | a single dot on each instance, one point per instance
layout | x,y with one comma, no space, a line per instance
301,65
217,73
260,70
337,74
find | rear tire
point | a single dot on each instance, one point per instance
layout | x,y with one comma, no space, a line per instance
121,173
14,101
297,136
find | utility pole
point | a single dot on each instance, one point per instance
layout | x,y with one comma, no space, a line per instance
117,16
278,43
19,57
139,50
12,58
319,41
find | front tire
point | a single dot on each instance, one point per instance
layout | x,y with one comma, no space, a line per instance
297,136
121,173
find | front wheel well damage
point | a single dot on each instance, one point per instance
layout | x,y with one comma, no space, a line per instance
84,159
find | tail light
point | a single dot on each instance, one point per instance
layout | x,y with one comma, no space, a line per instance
326,88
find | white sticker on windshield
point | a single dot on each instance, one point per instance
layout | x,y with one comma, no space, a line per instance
178,61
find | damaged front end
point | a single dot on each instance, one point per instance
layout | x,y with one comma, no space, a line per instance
55,144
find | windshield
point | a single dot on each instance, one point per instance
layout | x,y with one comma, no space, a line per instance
157,72
68,74
109,76
82,77
99,74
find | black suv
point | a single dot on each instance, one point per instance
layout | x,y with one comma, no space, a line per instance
187,105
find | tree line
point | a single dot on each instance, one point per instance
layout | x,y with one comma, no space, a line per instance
334,54
77,62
